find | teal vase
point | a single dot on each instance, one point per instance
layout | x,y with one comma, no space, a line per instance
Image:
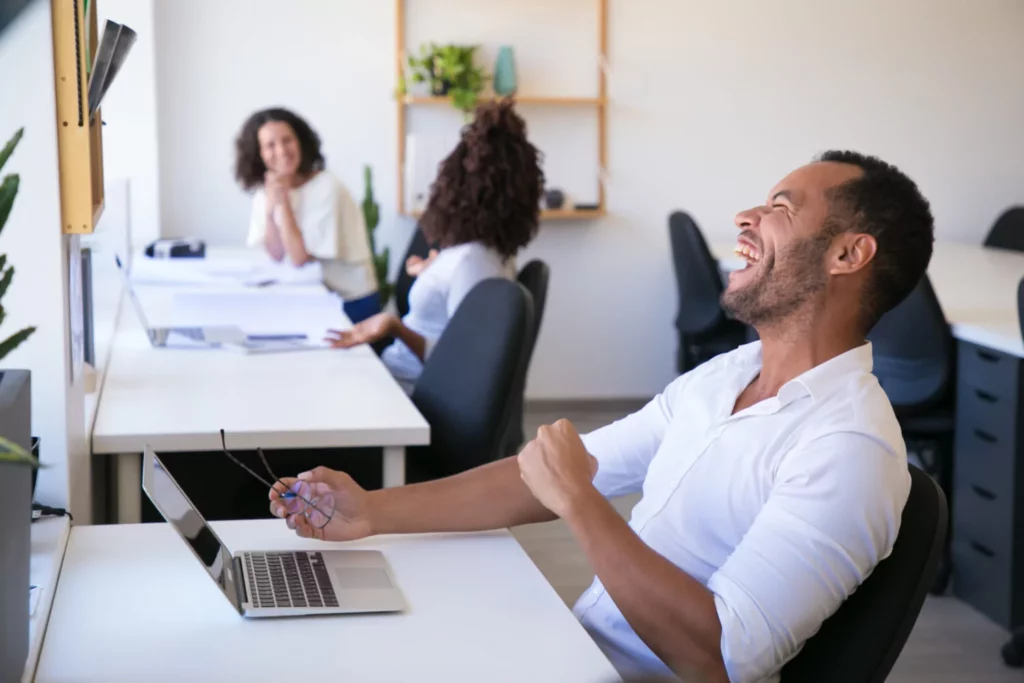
505,72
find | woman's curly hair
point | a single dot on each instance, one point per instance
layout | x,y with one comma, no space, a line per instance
489,187
249,166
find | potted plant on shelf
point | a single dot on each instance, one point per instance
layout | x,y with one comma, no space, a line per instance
450,71
17,466
371,215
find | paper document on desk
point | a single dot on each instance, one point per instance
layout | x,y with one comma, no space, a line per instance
268,313
258,271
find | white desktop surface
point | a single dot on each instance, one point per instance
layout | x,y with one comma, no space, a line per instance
49,539
976,286
134,605
179,399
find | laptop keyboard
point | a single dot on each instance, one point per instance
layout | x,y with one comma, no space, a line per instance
289,579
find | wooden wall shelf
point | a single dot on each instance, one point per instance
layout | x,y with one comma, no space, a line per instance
519,99
79,136
554,214
600,103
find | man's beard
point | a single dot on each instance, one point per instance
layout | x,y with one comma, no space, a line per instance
786,285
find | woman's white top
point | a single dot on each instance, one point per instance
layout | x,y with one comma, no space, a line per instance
434,298
333,230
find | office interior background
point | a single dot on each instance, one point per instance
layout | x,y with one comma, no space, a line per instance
708,105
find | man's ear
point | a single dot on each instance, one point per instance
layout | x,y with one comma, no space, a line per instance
851,252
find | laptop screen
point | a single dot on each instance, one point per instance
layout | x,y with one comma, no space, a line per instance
131,294
182,515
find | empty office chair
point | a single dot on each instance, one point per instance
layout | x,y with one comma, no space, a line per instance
417,247
1008,230
704,329
534,277
860,642
466,390
914,361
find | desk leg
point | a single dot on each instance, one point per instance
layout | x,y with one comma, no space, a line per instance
394,466
129,488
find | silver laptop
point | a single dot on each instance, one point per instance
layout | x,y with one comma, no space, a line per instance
206,336
275,583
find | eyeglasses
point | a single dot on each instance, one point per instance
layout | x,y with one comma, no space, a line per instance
298,499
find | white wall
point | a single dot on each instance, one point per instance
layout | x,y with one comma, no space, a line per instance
34,244
130,113
712,102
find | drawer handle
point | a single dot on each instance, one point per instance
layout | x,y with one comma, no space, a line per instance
985,396
985,436
988,356
987,552
983,493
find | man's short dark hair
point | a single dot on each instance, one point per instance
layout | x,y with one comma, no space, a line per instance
884,203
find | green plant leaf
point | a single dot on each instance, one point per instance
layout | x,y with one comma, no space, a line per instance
5,280
12,452
8,190
9,147
14,341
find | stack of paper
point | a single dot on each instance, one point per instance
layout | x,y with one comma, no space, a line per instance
256,272
262,312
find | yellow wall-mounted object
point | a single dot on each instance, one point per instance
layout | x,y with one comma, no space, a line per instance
79,136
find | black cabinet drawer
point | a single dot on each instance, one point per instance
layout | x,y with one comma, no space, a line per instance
993,415
992,371
985,515
985,459
982,578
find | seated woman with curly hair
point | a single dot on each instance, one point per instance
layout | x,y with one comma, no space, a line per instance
483,208
300,211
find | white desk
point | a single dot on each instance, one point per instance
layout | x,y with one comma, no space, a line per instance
134,605
178,400
976,286
49,539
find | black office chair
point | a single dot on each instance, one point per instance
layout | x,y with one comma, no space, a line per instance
535,276
466,389
704,329
418,246
861,641
915,362
1008,230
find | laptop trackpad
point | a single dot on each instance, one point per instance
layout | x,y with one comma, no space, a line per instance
361,578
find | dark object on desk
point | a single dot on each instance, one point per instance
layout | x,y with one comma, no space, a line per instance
15,524
176,248
585,207
704,329
1013,650
534,276
1008,230
417,247
466,389
915,364
862,640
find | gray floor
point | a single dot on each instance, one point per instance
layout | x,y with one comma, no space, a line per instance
950,642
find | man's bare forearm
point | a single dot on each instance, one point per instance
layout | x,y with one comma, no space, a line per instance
489,497
672,612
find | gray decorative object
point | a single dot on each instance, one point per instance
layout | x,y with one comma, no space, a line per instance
554,199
